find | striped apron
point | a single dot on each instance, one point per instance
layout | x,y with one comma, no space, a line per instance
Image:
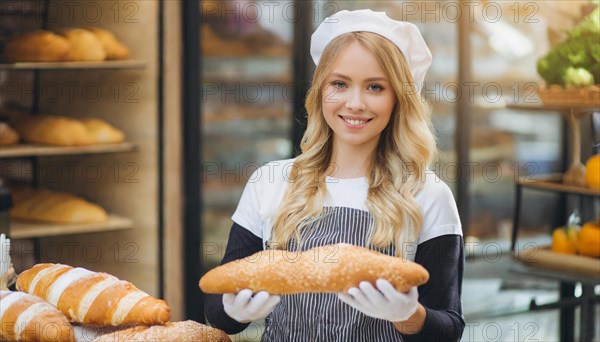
322,316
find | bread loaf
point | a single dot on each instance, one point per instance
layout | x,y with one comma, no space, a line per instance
8,136
53,206
53,130
85,46
65,44
331,268
37,46
101,132
66,131
186,331
24,317
112,46
92,298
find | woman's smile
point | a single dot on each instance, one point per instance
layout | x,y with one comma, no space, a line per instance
354,122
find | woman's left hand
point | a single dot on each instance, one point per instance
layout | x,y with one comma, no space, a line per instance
383,302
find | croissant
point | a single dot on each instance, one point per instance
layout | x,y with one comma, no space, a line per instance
24,317
92,298
331,268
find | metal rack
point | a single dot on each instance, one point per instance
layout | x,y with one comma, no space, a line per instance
567,278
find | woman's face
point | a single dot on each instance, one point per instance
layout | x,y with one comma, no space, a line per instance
358,99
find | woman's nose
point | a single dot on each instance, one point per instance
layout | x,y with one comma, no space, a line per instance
355,101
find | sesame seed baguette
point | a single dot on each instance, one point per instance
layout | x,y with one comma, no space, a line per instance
92,297
24,317
331,268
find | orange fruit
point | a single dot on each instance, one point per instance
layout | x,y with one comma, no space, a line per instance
589,239
562,241
592,174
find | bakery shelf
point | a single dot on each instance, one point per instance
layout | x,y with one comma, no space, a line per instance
552,182
24,230
124,64
32,150
254,80
566,266
565,110
219,53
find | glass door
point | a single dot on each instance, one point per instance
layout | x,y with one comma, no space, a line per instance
246,104
242,116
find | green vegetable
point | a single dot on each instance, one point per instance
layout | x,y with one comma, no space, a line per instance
576,61
577,77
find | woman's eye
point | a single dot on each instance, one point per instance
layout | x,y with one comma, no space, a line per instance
375,87
339,84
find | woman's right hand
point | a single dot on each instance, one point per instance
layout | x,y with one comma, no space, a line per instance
245,308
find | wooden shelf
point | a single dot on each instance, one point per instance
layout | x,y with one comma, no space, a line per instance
563,109
258,80
568,267
31,150
222,52
124,64
553,182
24,230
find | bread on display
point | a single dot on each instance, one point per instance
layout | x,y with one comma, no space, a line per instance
185,331
37,46
65,45
8,136
43,205
91,297
66,131
25,317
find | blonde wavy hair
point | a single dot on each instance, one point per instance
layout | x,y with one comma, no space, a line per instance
406,149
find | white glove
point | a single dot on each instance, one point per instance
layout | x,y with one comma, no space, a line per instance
383,302
245,308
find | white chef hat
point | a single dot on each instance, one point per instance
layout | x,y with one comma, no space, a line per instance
404,34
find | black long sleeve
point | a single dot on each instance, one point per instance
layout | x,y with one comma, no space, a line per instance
444,260
242,243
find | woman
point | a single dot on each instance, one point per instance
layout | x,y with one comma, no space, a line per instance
362,178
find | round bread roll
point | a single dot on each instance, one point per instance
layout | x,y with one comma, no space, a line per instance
115,50
102,132
85,46
37,46
8,136
177,331
331,268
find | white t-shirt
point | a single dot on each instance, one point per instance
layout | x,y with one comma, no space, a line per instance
265,190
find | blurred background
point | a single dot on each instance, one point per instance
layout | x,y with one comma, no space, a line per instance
212,90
